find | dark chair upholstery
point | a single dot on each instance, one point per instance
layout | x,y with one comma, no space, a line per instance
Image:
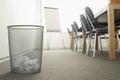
90,17
74,30
99,28
76,26
68,30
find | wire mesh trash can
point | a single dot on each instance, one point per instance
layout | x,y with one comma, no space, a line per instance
25,48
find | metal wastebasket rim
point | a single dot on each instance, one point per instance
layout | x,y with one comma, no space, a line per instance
25,27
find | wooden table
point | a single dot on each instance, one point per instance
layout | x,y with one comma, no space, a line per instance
109,14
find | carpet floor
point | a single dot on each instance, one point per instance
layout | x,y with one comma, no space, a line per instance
68,65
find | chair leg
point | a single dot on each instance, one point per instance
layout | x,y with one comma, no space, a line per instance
89,45
84,46
95,38
76,44
118,42
87,52
100,44
72,44
106,41
81,43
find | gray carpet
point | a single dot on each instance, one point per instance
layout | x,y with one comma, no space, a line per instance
69,65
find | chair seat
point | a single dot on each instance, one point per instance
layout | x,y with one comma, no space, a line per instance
117,27
88,33
100,23
100,30
103,24
80,36
79,29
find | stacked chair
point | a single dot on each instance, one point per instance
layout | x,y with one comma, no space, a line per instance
79,34
77,37
98,28
94,28
88,32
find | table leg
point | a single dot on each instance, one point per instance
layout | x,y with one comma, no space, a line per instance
111,32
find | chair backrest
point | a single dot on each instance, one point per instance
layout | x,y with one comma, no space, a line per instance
75,24
74,29
68,30
90,16
85,23
89,13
